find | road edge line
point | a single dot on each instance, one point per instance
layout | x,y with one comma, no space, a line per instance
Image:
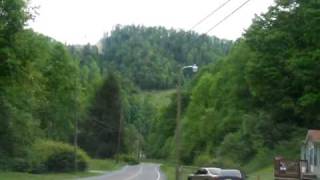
158,172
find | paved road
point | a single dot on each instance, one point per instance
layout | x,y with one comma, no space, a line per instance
143,171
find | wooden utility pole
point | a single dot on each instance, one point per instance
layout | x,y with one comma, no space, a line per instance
75,143
75,140
178,126
119,135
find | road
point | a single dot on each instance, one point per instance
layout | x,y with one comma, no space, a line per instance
143,171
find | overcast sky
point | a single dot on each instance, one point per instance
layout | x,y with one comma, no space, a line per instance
85,21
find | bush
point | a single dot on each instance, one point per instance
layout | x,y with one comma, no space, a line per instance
262,159
203,160
128,159
51,156
5,163
20,165
236,148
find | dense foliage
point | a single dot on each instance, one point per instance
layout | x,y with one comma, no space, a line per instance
51,156
261,98
101,132
40,87
150,56
244,107
143,58
48,89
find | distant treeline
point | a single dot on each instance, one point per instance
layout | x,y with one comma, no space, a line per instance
150,57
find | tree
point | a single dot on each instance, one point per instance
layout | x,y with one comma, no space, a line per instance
13,16
15,120
149,56
263,92
103,127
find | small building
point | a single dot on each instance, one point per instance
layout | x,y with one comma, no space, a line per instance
310,152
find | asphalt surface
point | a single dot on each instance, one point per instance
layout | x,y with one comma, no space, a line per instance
143,171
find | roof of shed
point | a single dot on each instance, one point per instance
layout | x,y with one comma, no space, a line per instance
313,135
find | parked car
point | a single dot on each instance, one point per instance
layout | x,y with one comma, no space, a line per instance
216,174
233,174
205,174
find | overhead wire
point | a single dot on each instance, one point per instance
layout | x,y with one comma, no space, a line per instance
226,17
210,14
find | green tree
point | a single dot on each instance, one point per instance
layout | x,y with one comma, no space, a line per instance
102,129
149,56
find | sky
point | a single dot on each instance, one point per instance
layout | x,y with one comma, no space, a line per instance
86,21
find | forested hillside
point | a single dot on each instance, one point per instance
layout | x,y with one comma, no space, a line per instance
259,100
52,93
252,99
143,58
150,57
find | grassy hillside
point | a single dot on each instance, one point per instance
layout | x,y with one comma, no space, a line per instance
159,98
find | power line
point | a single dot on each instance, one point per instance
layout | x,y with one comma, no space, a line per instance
212,13
226,17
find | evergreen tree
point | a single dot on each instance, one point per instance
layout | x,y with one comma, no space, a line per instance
103,127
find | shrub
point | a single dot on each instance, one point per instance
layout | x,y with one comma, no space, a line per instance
236,148
52,156
262,159
128,159
20,165
203,160
5,163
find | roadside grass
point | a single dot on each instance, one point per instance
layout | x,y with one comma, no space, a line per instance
104,164
170,171
94,164
263,174
159,161
26,176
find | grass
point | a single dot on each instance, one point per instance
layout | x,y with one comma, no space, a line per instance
94,164
169,170
159,98
263,174
104,164
24,176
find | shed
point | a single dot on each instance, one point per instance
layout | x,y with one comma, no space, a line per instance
310,151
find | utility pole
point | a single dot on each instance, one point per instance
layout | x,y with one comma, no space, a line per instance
119,135
178,124
75,140
138,151
75,143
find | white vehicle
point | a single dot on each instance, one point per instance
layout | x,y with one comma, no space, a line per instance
216,174
205,174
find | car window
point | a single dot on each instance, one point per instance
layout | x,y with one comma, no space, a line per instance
202,171
231,173
215,171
